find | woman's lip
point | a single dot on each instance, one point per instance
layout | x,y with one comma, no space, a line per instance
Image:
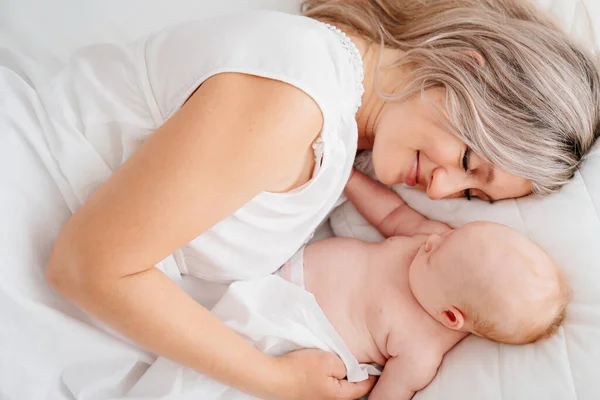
418,167
412,177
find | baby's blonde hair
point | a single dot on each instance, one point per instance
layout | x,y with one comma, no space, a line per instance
529,328
519,92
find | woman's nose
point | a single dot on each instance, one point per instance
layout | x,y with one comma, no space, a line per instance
446,183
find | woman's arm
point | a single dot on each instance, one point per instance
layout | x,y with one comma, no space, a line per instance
235,137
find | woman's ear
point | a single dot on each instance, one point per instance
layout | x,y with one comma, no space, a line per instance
453,318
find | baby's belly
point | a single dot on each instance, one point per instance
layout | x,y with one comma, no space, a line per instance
334,272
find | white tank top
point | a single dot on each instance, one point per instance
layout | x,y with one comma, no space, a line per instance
110,98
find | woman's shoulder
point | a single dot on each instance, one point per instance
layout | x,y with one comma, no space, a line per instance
297,50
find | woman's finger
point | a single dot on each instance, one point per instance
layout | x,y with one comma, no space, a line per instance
349,390
336,367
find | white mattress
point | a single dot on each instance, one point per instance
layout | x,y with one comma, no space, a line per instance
47,32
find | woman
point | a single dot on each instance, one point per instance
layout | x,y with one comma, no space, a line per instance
250,124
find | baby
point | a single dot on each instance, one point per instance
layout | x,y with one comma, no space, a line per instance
405,302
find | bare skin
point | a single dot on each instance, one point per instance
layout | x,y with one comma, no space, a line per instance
399,303
375,312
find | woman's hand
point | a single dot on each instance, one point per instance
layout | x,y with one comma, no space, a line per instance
317,374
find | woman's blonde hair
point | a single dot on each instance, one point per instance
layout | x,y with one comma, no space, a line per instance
519,92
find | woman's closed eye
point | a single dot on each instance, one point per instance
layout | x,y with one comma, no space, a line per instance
465,164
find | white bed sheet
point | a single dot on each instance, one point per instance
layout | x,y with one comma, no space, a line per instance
50,338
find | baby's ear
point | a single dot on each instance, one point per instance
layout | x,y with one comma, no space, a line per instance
453,318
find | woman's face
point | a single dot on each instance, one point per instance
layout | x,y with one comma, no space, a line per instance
411,147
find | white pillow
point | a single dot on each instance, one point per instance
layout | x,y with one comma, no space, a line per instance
567,225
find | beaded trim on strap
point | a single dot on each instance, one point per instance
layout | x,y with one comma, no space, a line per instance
356,62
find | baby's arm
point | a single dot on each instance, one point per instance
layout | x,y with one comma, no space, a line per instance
392,384
402,377
386,211
408,370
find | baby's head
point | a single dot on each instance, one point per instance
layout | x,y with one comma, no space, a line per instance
487,279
